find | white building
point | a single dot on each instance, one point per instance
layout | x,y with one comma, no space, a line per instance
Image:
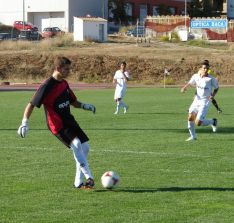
89,28
44,13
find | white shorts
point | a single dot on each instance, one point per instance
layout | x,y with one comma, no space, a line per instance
200,107
119,92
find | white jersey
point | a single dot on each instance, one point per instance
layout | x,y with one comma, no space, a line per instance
121,84
204,85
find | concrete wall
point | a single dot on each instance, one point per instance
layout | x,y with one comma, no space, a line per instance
58,12
89,30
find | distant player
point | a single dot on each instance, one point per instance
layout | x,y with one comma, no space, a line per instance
198,110
56,97
120,80
212,73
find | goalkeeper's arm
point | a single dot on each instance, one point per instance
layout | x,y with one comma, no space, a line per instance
88,107
23,129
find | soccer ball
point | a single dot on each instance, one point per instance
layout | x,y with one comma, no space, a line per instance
110,180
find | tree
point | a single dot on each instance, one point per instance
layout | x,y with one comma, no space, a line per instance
202,8
163,10
118,12
195,8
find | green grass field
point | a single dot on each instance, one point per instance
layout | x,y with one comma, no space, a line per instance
163,178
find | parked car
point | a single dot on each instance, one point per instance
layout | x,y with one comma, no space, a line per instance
7,36
50,32
29,35
20,25
137,31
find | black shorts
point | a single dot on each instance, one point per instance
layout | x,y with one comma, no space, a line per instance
67,135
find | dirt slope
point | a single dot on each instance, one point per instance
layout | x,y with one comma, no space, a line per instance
98,62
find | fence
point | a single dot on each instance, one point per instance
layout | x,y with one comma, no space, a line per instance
159,25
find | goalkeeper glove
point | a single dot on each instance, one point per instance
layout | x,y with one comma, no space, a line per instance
23,129
88,107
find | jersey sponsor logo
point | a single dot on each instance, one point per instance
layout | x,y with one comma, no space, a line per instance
205,88
64,104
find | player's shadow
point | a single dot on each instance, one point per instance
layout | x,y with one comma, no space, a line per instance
167,189
221,130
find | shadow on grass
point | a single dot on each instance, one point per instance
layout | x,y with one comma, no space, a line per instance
221,130
166,189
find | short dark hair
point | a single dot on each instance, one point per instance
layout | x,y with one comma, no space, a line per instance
123,62
206,62
61,61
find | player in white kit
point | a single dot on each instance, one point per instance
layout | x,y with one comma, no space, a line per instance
120,78
204,84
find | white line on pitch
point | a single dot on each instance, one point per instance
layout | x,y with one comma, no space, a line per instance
119,151
150,152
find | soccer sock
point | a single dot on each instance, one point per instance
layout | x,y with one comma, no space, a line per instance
191,128
81,162
214,102
122,104
79,174
206,122
118,106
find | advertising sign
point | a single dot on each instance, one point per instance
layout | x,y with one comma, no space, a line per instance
208,23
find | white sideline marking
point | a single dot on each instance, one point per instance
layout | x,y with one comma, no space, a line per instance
119,151
153,153
141,152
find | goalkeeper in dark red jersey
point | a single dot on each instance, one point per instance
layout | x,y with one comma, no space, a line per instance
56,97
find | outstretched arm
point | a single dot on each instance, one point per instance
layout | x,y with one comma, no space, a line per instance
89,107
184,88
28,111
23,129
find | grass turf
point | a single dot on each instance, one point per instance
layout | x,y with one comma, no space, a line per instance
163,178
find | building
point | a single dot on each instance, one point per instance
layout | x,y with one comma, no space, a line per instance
139,9
90,29
46,13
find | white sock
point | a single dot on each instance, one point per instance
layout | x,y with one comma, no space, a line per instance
191,128
118,106
206,122
82,167
79,174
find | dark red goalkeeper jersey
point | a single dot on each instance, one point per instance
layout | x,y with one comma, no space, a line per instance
56,96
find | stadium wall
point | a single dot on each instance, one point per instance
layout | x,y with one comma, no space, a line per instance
160,25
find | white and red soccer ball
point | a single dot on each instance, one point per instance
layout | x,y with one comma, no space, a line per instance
110,180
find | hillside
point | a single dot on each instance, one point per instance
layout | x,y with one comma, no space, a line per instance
97,63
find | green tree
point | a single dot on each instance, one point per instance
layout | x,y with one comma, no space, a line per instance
203,8
163,10
195,8
118,12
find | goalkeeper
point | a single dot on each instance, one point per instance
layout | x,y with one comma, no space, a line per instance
56,97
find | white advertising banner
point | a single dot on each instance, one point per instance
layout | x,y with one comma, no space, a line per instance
230,9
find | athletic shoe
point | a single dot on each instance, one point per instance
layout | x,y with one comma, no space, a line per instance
190,139
219,111
215,124
89,184
116,113
126,109
80,186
